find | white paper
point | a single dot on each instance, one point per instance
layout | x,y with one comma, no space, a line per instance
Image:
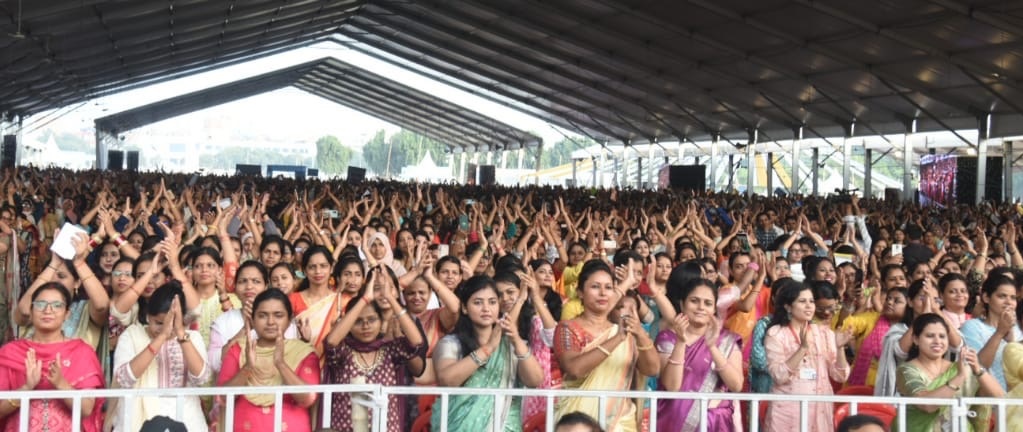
62,245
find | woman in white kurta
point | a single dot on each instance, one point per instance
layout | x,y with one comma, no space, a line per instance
802,357
160,354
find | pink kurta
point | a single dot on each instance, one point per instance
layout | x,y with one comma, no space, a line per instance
780,343
249,417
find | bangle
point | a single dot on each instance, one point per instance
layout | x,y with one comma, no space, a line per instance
524,356
151,349
753,266
476,359
120,241
646,347
604,350
952,386
674,362
91,275
15,403
403,312
486,351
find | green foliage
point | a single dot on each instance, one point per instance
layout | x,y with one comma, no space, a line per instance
331,156
387,157
375,153
561,152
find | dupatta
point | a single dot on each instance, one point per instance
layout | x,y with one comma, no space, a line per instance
614,373
266,373
476,413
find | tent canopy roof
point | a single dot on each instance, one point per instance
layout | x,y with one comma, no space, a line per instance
460,128
617,71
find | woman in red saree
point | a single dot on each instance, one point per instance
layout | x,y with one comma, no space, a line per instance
50,361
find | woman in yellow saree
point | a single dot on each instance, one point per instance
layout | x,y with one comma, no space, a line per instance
315,301
597,354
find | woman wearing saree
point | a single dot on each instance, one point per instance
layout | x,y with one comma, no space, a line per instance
929,374
48,360
484,352
921,299
316,303
596,354
270,360
160,354
803,358
697,356
358,350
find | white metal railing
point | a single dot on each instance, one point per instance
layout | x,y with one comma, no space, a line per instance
375,397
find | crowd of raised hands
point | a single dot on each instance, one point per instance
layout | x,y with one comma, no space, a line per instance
181,280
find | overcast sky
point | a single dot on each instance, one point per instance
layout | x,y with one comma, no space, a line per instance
287,113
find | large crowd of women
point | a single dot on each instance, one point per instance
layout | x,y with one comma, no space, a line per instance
184,281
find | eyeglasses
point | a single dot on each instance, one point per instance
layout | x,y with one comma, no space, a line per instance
41,305
366,322
119,273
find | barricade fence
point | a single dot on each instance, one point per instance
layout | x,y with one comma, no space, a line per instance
375,397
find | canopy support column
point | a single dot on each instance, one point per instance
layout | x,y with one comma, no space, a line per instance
796,141
983,127
815,171
907,163
103,141
639,172
731,172
751,163
868,170
594,183
770,174
1008,156
575,175
713,162
539,157
847,156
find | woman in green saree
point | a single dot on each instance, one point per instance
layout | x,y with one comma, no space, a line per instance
929,374
484,351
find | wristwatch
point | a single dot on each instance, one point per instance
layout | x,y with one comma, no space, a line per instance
952,386
981,372
185,338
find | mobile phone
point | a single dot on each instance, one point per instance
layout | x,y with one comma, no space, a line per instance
896,249
225,203
330,214
610,244
744,242
443,250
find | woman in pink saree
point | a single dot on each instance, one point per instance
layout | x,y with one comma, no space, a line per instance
50,361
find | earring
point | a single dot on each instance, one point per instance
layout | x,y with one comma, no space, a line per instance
332,282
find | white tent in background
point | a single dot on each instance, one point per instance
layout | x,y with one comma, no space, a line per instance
426,171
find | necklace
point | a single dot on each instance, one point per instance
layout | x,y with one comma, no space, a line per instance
365,366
